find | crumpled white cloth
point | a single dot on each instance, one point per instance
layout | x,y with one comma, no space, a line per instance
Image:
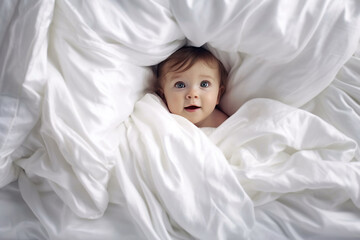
169,180
275,49
301,173
278,154
72,71
172,175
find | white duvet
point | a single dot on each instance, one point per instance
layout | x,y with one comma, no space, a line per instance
86,152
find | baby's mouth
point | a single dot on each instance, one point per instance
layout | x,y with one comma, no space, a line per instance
192,108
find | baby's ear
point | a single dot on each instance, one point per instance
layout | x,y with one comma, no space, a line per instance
221,92
159,91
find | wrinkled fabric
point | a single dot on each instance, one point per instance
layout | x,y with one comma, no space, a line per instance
338,104
93,159
184,174
23,74
217,186
288,51
296,168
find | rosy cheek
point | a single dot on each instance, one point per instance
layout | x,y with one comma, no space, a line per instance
173,103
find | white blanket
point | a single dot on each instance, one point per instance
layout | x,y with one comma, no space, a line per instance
83,162
175,182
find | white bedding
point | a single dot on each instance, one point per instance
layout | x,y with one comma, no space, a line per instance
86,152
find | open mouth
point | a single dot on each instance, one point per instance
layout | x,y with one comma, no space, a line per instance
192,108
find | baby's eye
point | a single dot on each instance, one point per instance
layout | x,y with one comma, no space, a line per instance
179,84
205,84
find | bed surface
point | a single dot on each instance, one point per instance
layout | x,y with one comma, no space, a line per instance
88,152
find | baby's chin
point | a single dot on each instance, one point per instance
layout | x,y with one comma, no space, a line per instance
192,120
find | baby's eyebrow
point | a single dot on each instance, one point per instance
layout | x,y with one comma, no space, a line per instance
174,79
175,75
207,77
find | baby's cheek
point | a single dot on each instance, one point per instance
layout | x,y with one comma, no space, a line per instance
173,105
171,109
212,99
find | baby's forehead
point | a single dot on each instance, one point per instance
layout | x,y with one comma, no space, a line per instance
199,68
184,65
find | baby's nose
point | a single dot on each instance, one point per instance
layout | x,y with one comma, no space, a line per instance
193,93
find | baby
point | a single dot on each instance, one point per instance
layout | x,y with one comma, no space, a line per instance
191,82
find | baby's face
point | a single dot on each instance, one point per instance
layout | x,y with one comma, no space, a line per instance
193,93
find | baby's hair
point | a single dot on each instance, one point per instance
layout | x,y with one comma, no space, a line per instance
183,59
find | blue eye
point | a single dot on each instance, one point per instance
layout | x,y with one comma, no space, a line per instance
179,84
205,84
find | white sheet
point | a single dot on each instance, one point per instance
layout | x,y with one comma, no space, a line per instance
338,104
173,182
72,71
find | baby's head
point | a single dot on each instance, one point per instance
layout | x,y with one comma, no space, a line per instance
191,82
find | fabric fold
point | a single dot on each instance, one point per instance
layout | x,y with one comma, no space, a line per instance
179,170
